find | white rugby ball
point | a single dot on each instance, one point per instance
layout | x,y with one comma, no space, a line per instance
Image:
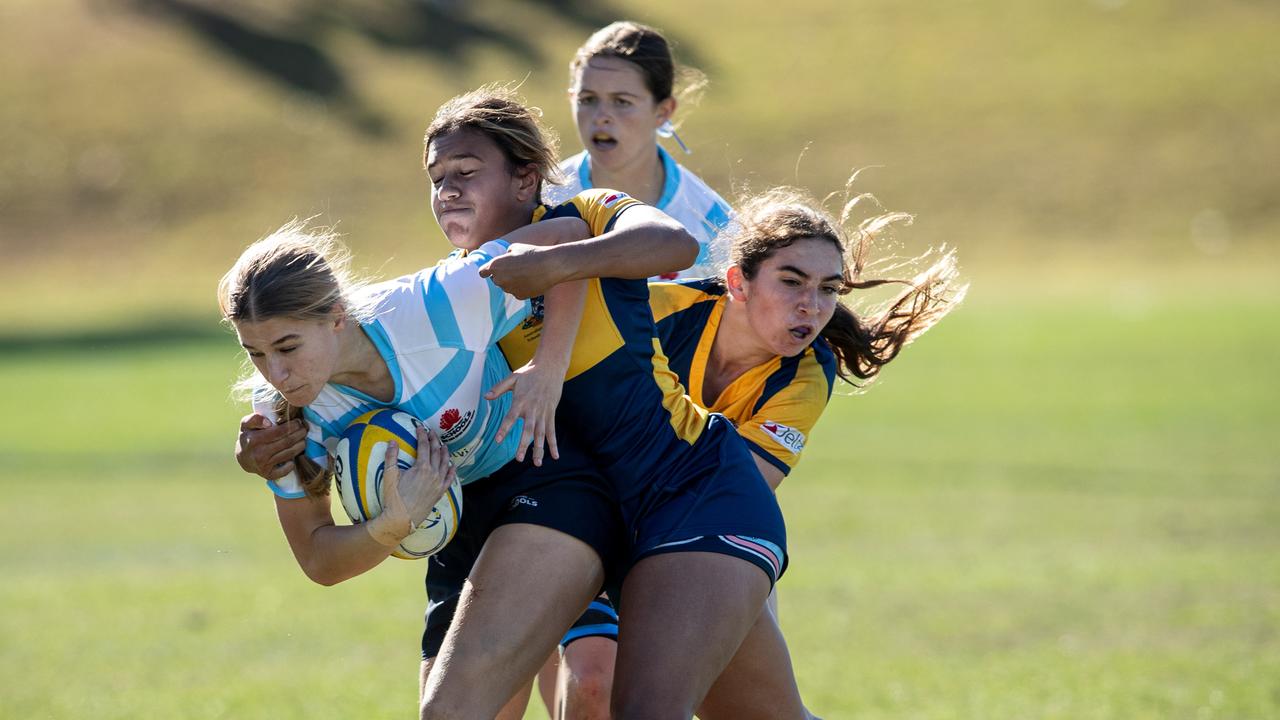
358,466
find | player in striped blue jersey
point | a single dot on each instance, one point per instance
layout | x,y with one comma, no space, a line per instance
424,343
622,92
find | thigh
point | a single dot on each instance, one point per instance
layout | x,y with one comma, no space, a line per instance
686,615
759,681
527,587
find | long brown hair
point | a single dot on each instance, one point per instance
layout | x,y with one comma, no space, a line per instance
298,273
862,345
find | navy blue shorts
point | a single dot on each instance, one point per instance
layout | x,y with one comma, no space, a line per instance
568,495
719,503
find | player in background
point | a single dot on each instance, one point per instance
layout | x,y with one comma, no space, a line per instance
623,91
763,344
622,88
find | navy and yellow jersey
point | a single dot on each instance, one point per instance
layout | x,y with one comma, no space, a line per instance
774,405
620,398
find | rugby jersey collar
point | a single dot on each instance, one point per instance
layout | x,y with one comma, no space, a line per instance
670,175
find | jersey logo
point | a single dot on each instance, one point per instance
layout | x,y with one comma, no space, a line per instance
454,423
613,198
537,307
788,437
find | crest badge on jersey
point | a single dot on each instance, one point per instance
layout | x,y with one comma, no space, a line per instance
612,199
788,437
453,423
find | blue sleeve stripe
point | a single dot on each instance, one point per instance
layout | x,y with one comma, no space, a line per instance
282,493
435,298
671,171
497,309
717,217
433,393
378,335
584,172
602,607
768,456
315,449
601,630
326,428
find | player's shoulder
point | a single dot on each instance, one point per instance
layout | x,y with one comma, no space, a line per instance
669,298
695,188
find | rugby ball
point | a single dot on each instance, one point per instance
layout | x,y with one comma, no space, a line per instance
358,466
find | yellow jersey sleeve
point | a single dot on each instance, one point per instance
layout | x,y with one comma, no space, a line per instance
599,207
669,298
779,428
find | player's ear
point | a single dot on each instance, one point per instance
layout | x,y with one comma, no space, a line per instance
736,283
526,179
667,109
338,316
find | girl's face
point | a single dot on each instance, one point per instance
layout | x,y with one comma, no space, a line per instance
474,194
616,114
296,356
793,294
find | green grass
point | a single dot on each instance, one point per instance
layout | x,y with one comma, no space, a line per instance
1048,508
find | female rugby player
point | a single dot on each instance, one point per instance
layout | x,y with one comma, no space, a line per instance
763,344
622,89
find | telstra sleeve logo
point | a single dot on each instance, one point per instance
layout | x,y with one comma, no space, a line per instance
788,437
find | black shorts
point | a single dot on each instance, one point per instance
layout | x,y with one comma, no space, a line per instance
568,495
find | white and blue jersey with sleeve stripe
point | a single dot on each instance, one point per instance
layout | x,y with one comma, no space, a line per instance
685,197
437,330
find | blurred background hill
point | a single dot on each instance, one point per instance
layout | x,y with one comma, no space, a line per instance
147,140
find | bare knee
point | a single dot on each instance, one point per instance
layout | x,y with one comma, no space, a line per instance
587,689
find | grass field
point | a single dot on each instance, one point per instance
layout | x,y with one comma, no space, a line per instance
1007,526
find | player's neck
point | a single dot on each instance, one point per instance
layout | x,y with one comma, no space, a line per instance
642,179
361,365
734,351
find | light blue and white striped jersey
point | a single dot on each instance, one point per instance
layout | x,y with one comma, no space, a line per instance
685,197
437,330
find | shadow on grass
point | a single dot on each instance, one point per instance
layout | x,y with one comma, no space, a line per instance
294,46
166,332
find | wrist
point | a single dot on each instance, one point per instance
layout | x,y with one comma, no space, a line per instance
389,531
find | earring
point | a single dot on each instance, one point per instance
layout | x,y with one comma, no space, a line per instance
667,130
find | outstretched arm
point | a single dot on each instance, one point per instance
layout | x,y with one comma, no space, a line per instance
536,386
644,242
